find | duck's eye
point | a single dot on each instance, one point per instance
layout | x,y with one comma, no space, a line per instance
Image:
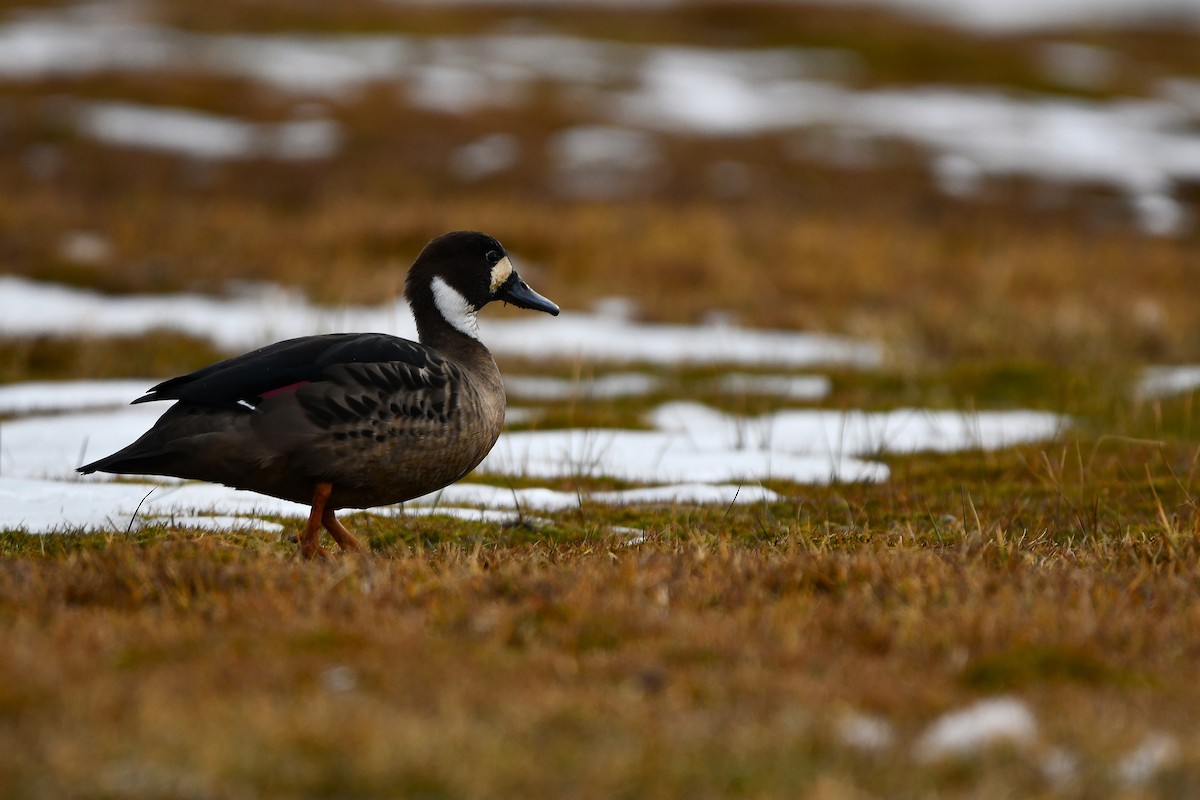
492,257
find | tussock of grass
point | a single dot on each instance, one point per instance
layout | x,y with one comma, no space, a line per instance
160,353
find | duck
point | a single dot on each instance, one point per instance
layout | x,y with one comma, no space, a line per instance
348,420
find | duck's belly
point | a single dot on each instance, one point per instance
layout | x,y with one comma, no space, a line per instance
383,473
374,477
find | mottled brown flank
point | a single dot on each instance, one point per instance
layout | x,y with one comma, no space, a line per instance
432,428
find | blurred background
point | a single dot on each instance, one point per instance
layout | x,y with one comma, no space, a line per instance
952,178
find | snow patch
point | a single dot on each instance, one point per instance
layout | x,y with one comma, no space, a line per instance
273,313
787,387
691,443
485,157
575,335
1156,752
59,506
1167,381
864,732
613,385
983,15
694,454
600,161
457,512
987,723
207,136
1142,148
43,396
539,499
694,443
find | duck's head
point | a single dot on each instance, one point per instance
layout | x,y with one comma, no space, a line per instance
459,273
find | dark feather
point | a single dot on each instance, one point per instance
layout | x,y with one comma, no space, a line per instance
246,378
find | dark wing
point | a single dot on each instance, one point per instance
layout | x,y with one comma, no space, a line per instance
242,381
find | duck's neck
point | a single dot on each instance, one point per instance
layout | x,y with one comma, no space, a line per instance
447,323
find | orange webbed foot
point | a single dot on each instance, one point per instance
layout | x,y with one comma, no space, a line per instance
322,517
344,538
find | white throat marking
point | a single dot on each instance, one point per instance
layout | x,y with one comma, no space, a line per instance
454,308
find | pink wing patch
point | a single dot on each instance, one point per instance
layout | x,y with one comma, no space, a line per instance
291,387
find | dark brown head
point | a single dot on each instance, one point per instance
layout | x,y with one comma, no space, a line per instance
459,273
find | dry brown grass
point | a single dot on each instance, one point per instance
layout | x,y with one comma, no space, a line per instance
687,665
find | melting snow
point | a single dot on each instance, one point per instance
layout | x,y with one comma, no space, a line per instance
54,505
84,247
656,456
485,157
986,723
864,731
635,384
617,384
694,443
987,15
1139,147
43,506
207,136
603,338
1142,148
1166,381
1156,752
604,161
52,446
788,387
550,500
271,313
469,514
26,398
1058,765
694,454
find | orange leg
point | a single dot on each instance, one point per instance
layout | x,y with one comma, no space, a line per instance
309,545
345,539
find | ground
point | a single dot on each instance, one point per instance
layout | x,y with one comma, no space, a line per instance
817,645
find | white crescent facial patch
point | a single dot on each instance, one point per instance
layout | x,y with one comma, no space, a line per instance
454,308
500,273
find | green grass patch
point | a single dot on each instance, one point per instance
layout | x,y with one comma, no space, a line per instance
1024,666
